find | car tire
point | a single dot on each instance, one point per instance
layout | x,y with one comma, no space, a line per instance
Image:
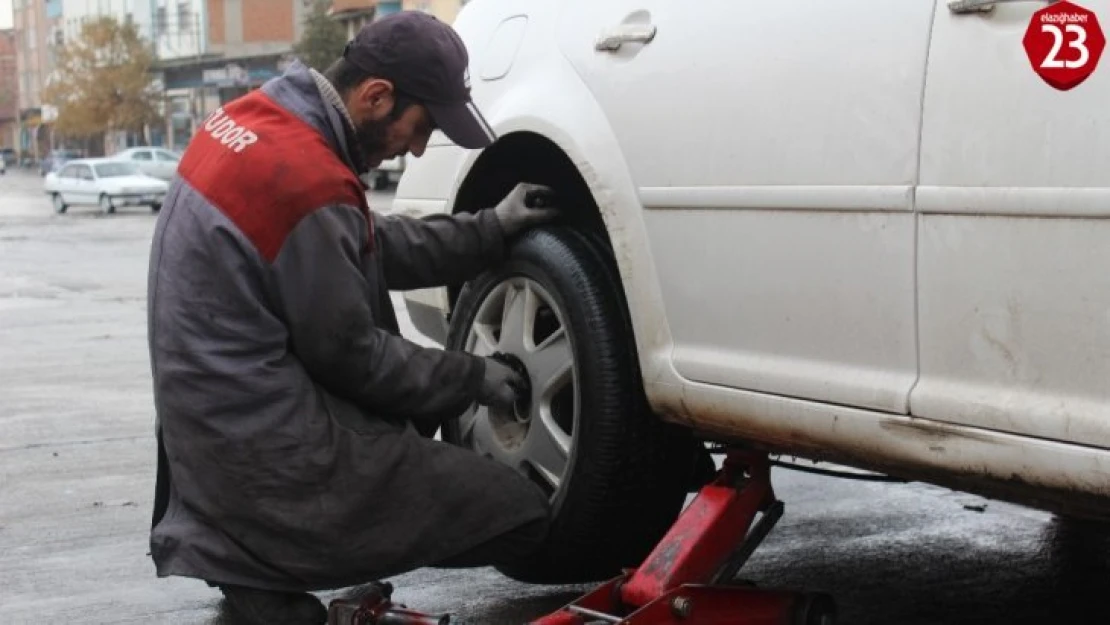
381,182
59,204
154,208
106,205
627,473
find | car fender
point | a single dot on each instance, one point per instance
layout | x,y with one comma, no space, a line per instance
549,100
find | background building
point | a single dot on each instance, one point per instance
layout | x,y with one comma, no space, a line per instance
9,90
35,22
354,14
240,44
445,10
208,52
74,13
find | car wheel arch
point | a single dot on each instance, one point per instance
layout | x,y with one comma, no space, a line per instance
531,156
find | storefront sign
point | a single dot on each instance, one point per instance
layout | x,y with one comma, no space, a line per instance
230,75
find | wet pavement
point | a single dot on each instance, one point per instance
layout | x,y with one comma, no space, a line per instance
77,476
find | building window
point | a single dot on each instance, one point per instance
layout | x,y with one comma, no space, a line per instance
184,17
388,7
160,22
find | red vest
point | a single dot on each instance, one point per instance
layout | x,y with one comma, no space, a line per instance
265,169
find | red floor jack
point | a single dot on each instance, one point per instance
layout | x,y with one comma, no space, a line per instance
688,578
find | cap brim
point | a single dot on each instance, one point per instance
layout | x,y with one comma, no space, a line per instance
463,124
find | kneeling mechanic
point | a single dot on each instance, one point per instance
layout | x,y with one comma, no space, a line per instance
287,401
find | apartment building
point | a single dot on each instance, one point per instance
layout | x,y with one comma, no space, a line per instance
237,46
9,90
353,14
35,22
445,10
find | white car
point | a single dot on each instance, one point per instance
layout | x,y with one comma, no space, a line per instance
157,162
107,183
859,232
388,171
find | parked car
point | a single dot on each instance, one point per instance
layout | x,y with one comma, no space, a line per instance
9,156
857,232
388,172
107,183
55,159
3,166
152,161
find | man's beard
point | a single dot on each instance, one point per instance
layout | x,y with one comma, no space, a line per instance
371,135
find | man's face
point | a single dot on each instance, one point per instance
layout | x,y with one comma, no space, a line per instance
381,133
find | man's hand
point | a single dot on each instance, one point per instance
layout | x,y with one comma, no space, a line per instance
514,213
501,386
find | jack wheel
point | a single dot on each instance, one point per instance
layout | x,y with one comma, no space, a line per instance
815,609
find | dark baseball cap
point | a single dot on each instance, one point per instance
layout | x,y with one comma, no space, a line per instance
426,60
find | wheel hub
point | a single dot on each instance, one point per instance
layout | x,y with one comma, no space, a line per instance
518,323
522,409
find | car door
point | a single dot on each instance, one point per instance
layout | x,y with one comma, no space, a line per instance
66,181
774,146
165,164
144,160
1014,241
77,185
87,192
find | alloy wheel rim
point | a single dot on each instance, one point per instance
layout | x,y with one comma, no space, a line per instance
520,317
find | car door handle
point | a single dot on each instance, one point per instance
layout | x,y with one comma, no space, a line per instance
980,6
613,39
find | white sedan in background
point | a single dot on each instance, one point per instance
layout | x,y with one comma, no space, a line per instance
108,183
157,162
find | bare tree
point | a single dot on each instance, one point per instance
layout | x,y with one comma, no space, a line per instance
103,81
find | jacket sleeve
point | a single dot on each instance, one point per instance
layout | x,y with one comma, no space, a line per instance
437,250
325,298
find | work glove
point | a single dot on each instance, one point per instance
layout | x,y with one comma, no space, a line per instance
501,386
525,206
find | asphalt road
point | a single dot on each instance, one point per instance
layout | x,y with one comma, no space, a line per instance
77,476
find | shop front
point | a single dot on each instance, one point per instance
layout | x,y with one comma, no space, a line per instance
34,134
196,90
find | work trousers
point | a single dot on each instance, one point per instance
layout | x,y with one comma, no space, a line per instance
505,549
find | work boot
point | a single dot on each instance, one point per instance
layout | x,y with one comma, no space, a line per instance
271,607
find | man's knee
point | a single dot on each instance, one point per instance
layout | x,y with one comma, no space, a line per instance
532,536
510,547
